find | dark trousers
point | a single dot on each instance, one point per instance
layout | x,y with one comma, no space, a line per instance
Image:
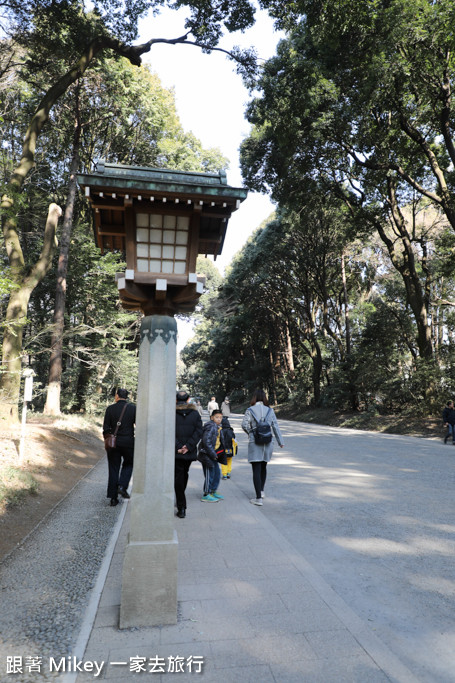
450,432
259,476
181,473
212,476
116,477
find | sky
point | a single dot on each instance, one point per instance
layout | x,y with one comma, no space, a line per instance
211,99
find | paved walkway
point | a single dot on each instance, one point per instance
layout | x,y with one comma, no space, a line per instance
251,608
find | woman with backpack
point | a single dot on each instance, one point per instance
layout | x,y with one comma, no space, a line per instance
260,423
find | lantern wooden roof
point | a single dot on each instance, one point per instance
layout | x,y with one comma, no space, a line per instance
112,187
161,220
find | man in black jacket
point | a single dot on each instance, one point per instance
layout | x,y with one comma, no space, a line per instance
188,431
448,418
119,481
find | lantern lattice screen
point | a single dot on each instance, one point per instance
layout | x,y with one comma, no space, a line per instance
162,243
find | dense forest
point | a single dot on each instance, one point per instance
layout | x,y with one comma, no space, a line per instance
343,297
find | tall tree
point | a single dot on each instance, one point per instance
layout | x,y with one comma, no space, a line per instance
34,23
134,122
361,101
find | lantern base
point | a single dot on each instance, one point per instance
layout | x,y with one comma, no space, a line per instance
160,295
149,585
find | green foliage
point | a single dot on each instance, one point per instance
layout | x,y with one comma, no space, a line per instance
7,284
127,116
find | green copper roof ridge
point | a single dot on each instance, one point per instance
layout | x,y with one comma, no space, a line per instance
101,164
95,180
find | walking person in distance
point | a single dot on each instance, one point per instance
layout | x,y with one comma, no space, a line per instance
120,458
448,418
226,407
260,423
212,405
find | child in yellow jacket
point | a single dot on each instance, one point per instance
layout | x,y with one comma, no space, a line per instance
230,447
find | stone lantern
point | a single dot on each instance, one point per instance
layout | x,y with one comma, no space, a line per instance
160,220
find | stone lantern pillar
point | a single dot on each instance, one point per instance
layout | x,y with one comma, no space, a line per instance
149,585
161,220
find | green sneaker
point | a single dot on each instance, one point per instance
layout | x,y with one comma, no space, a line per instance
217,495
209,499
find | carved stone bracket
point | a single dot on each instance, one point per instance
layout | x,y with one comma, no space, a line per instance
159,326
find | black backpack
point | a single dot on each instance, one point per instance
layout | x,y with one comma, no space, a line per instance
228,435
263,431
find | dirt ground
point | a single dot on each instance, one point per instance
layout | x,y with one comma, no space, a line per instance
57,453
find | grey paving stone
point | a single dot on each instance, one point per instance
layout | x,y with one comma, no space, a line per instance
205,591
264,650
113,580
278,586
208,629
107,616
110,596
339,643
303,600
108,637
184,557
241,559
281,569
240,674
191,609
213,564
187,576
116,564
298,622
225,607
338,670
248,573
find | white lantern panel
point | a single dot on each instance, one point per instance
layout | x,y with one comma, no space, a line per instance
142,250
180,253
156,235
168,236
155,251
142,235
142,220
155,266
181,237
169,222
168,252
142,265
167,267
183,222
179,267
156,220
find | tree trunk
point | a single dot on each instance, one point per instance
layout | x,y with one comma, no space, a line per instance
289,352
83,381
273,395
316,358
353,397
16,313
405,263
52,406
347,321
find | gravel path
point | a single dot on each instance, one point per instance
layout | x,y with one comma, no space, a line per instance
46,582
